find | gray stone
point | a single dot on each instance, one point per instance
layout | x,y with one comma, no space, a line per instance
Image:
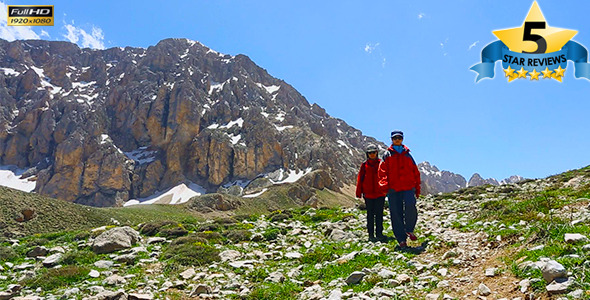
338,235
524,285
443,272
355,278
539,247
109,295
229,255
156,240
52,260
276,277
403,278
104,264
136,296
115,280
188,274
573,238
491,272
38,251
432,296
243,264
559,286
483,290
294,255
443,284
126,258
335,295
94,274
386,274
201,289
577,294
552,270
115,239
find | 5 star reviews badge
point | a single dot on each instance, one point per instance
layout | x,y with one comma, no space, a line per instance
534,50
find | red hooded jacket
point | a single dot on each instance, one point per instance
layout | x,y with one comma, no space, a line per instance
367,182
398,171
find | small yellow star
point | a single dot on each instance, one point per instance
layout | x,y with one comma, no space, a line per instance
546,73
512,77
534,75
522,73
559,71
558,78
509,72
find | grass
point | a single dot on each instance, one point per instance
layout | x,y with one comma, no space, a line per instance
50,279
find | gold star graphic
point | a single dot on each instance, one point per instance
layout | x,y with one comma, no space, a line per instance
509,72
512,77
535,35
534,75
559,71
546,73
522,73
558,78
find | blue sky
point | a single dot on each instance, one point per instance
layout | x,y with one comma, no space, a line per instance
379,66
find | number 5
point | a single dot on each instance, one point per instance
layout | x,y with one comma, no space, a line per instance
541,42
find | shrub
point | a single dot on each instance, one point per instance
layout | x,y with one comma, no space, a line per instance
7,254
153,228
213,237
79,258
57,278
191,254
238,235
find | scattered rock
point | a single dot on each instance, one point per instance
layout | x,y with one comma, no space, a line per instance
552,270
94,274
386,274
276,277
574,238
229,255
115,239
403,278
188,274
52,260
484,290
135,296
491,272
38,251
559,286
294,255
201,289
338,235
355,278
103,264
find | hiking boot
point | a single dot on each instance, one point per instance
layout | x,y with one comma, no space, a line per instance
403,245
382,238
372,239
411,236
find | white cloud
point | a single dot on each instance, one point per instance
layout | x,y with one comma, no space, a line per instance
77,35
11,33
44,33
370,48
421,15
473,45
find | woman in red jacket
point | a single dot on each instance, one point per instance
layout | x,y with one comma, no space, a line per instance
400,178
367,186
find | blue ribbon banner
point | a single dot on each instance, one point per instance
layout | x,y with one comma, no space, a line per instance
498,51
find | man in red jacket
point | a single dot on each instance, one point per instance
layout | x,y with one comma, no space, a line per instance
400,178
367,186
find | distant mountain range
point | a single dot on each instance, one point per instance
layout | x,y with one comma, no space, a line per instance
435,181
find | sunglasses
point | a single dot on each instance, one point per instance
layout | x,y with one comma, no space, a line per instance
397,138
372,152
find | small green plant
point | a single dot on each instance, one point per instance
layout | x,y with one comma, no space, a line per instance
56,278
7,254
191,251
80,257
238,235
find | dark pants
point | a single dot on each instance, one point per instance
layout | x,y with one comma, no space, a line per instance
375,216
404,215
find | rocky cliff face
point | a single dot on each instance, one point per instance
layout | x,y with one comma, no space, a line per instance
102,127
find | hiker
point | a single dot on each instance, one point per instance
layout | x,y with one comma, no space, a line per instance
367,187
400,179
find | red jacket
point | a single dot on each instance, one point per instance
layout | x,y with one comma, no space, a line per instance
367,182
399,172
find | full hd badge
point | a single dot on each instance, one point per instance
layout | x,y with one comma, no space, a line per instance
30,15
534,50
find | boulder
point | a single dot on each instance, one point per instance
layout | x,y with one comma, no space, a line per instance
115,239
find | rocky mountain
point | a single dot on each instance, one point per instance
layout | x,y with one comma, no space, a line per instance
435,181
477,180
100,127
